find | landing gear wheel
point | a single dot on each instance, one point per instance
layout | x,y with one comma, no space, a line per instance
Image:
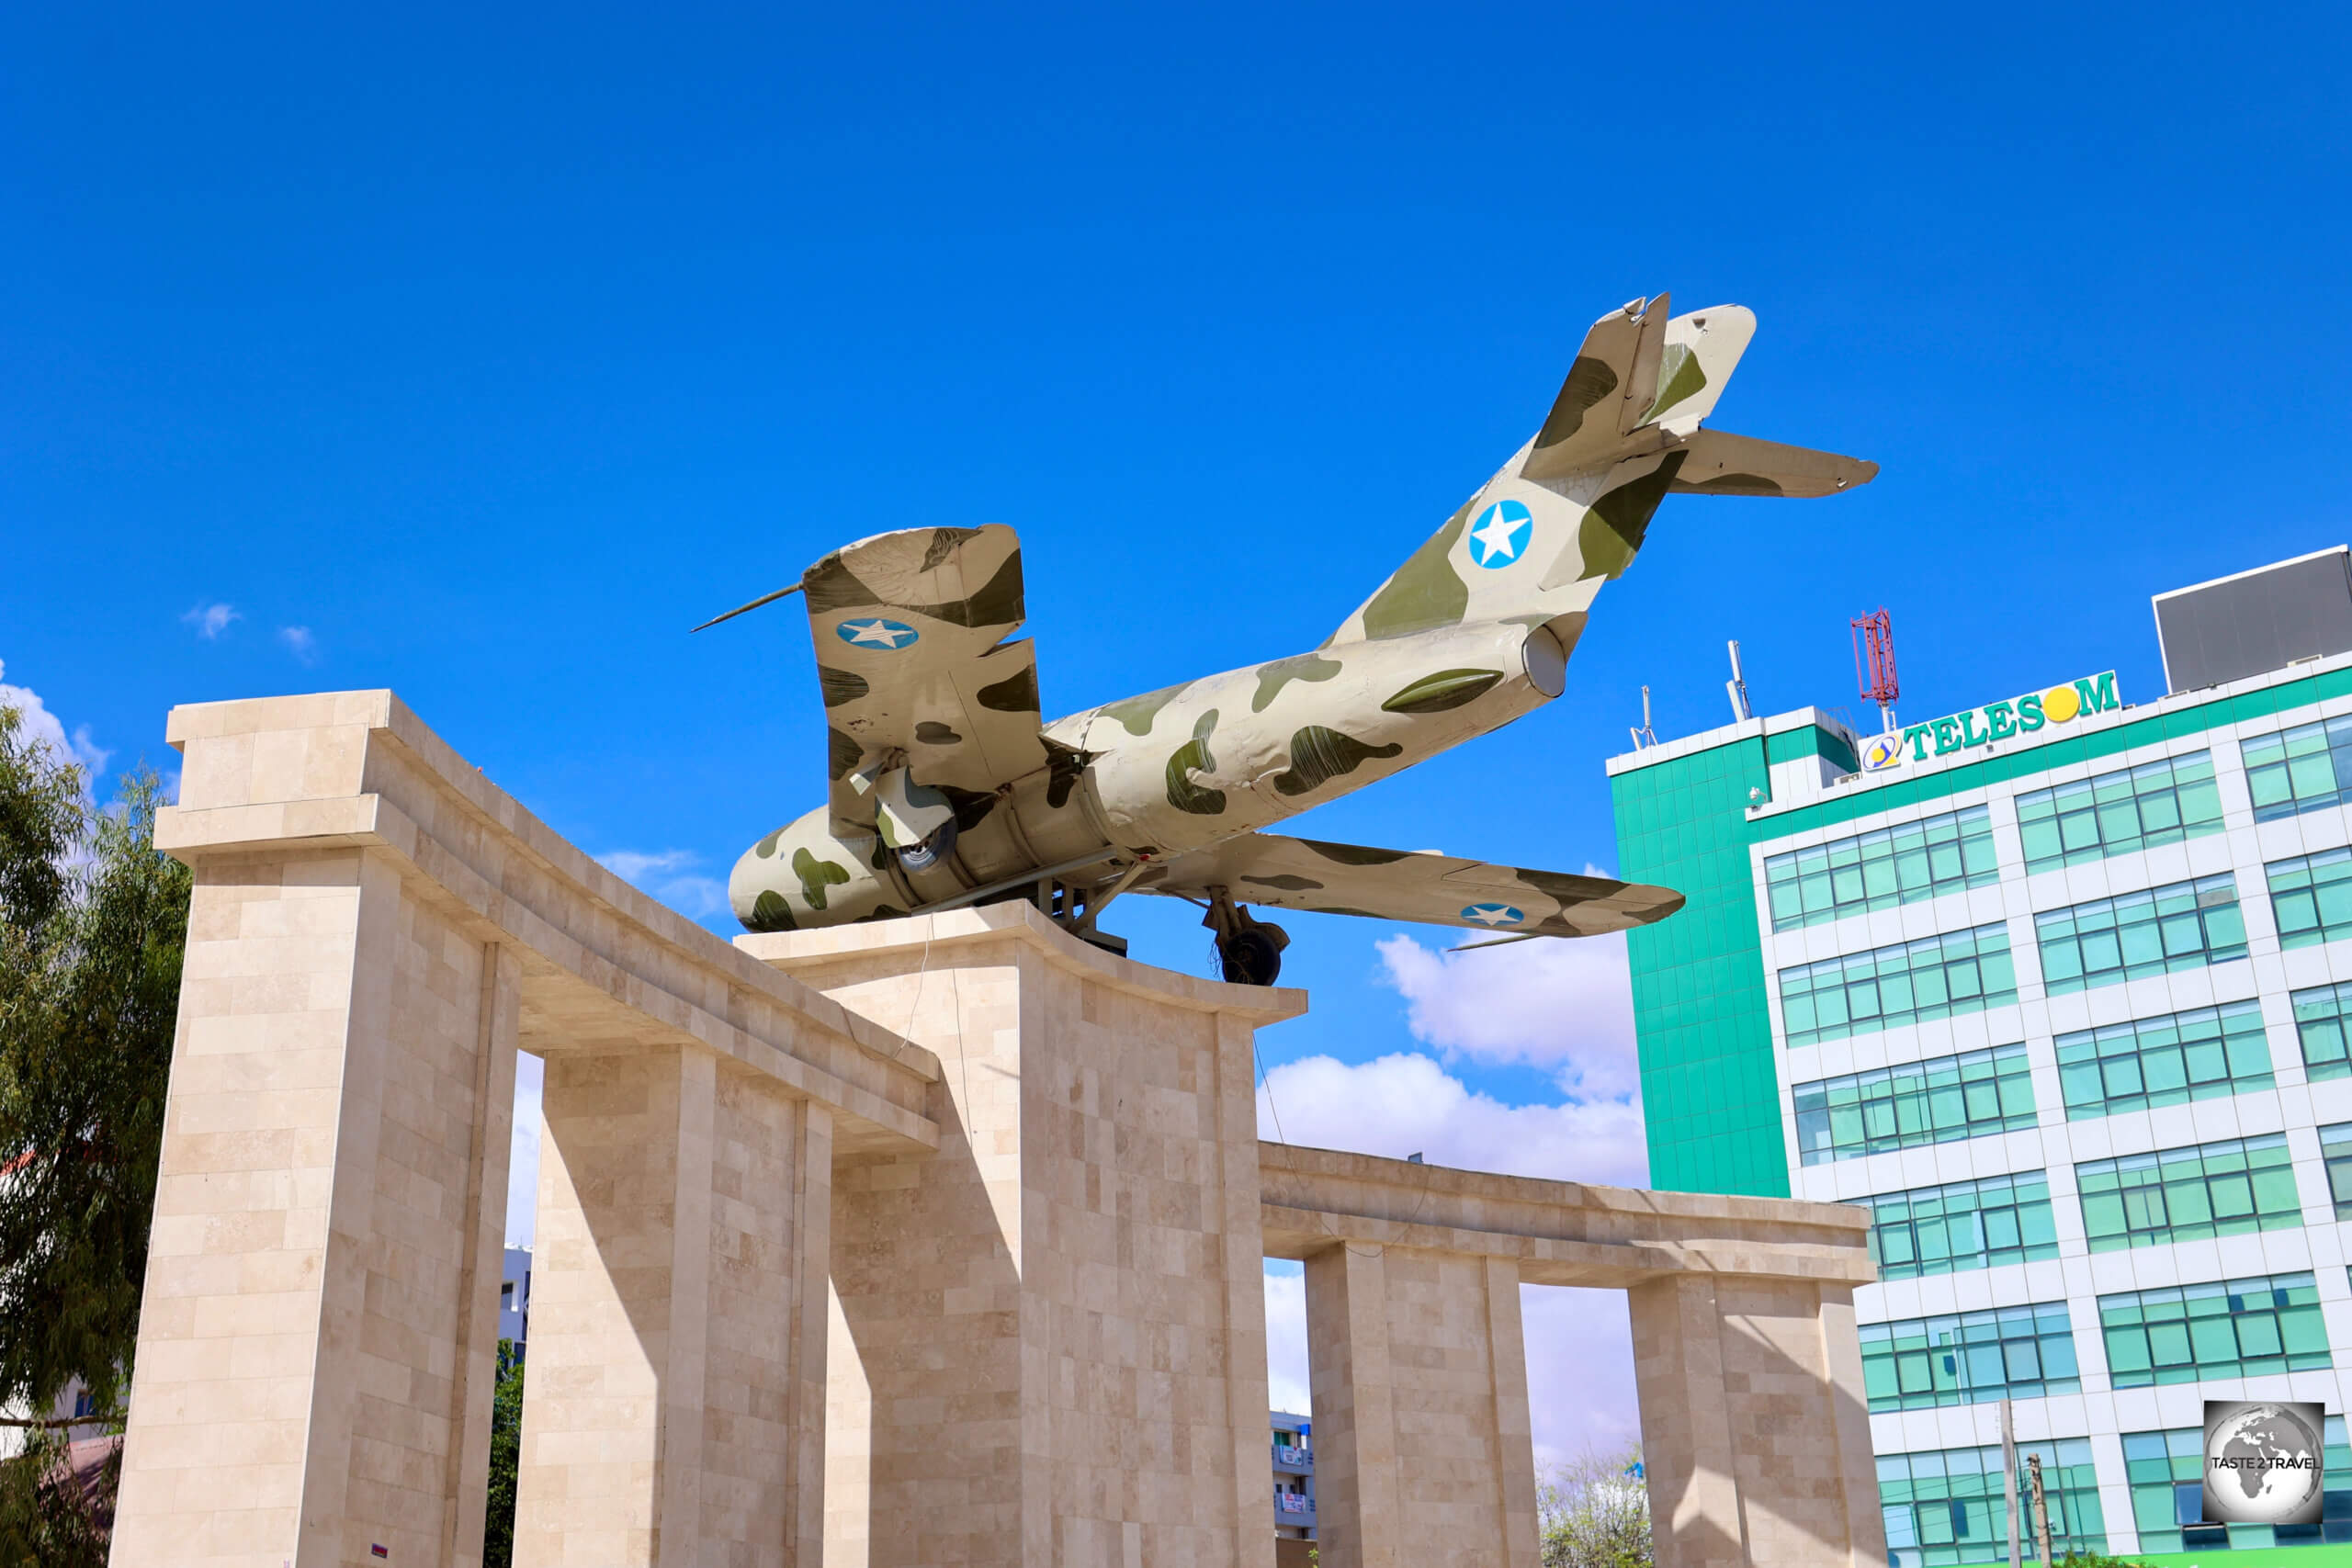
1249,957
927,853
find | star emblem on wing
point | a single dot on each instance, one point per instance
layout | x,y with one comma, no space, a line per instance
876,634
1491,915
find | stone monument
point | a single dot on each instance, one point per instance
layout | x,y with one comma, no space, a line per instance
932,1240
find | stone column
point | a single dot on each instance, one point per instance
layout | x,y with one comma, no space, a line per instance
316,1346
376,930
1423,1452
677,1330
1049,1344
1754,1436
1355,1415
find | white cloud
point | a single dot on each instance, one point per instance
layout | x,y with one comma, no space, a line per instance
1564,1006
1287,1384
212,620
634,865
664,874
39,724
300,643
523,1154
1579,1370
1406,1104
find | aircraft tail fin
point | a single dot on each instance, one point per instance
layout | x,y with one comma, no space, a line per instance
1570,509
1639,367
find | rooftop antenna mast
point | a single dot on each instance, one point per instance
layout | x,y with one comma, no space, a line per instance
1874,663
1644,736
1737,687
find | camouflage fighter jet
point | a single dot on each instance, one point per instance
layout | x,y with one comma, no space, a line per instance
949,788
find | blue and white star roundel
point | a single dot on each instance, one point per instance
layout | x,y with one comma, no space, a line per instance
1493,915
888,636
1500,532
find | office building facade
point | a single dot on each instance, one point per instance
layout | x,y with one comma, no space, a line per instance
2061,988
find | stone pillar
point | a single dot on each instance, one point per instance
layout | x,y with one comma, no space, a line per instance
1049,1338
1355,1414
376,930
673,1413
1424,1449
1755,1434
317,1342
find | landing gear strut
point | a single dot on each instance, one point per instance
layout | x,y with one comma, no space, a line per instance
1248,950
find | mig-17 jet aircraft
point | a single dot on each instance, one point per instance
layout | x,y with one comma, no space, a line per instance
948,787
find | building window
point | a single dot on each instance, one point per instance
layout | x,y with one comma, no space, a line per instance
2184,925
2232,1329
1880,870
1939,977
2298,770
2113,814
2011,1353
2311,896
2164,1061
2335,1154
1936,1101
1967,1224
1947,1506
2320,1024
2167,1473
2190,1193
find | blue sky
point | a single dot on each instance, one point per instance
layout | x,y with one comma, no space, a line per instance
479,357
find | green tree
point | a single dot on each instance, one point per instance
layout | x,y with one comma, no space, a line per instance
1594,1511
506,1457
93,921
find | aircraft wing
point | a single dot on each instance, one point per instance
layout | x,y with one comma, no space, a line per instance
909,629
1420,885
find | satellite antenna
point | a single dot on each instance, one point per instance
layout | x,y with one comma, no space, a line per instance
1874,663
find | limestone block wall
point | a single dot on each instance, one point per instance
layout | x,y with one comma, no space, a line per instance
1754,1433
1050,1339
1749,1375
1424,1447
320,1318
682,1214
376,930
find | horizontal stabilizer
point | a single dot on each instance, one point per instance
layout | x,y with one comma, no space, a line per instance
1719,464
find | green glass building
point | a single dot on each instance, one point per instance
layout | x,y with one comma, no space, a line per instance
2060,989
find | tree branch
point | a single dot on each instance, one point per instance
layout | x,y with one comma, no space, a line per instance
56,1422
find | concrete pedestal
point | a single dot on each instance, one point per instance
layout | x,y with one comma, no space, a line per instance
1050,1345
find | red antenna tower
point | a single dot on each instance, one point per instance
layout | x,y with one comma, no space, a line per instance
1874,662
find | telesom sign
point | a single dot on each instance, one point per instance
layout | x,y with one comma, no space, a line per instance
1993,721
